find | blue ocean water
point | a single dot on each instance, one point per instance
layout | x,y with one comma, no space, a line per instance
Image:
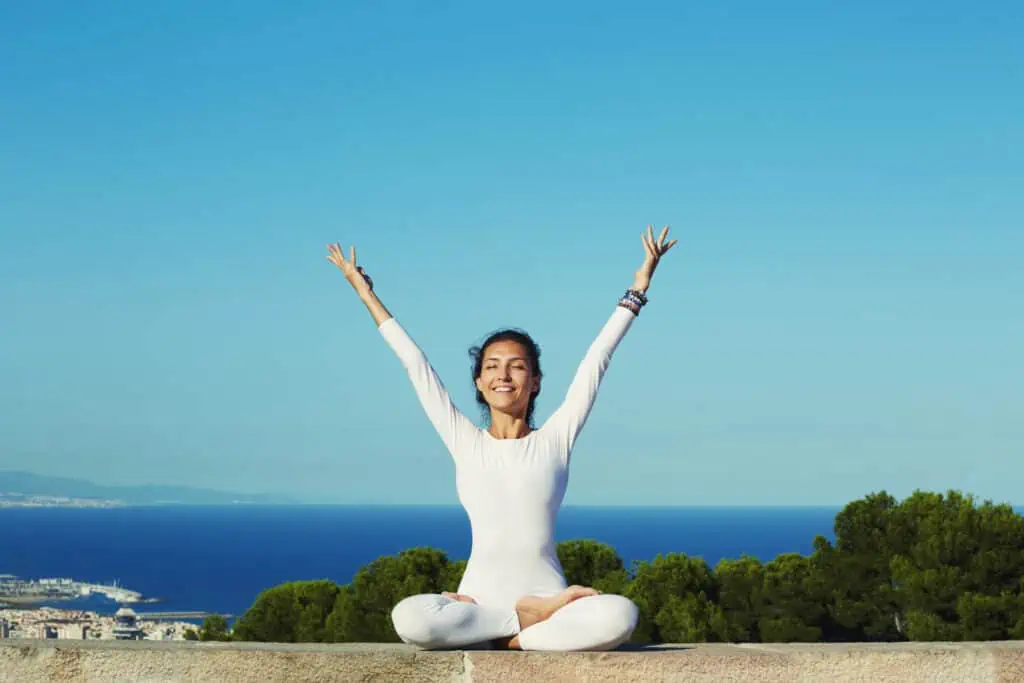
218,559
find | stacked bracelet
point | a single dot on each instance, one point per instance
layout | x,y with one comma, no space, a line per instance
633,300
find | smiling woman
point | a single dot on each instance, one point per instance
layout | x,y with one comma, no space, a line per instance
506,372
511,480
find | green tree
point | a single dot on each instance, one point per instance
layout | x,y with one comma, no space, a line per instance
740,588
191,634
271,618
932,567
215,627
692,618
314,603
362,610
288,613
959,576
856,571
989,617
792,602
451,575
676,596
616,582
587,563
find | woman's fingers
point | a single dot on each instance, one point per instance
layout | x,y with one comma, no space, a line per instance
336,254
332,256
352,256
661,238
648,244
657,248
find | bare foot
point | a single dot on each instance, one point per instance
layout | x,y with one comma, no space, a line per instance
459,596
533,610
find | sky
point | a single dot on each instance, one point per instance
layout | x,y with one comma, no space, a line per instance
843,312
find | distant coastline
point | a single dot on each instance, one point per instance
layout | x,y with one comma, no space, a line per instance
17,500
25,489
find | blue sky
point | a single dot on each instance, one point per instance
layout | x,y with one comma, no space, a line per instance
843,312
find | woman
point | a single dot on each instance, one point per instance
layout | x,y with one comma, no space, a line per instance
511,479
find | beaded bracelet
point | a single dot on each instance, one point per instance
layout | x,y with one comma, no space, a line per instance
629,306
633,301
638,294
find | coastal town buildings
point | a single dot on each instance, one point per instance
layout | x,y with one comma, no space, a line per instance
50,623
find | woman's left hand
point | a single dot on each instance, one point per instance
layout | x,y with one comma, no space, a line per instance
654,250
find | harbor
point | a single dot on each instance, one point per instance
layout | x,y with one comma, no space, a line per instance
27,611
19,592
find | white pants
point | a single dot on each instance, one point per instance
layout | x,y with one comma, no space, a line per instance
596,622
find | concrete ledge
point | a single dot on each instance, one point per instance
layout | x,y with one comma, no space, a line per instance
32,661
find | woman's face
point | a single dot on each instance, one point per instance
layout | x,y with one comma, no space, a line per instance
506,379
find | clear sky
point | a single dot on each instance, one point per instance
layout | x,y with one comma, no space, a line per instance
843,313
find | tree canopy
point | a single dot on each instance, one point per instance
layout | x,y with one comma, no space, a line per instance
930,567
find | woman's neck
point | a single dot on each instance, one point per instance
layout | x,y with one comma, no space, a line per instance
505,426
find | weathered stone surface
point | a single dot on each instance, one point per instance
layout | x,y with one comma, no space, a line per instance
34,661
142,662
878,663
1009,664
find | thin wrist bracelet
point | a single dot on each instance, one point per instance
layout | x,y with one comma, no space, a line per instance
630,306
633,301
638,294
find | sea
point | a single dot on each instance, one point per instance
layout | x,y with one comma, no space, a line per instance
218,559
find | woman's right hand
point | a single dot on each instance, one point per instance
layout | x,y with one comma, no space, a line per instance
355,275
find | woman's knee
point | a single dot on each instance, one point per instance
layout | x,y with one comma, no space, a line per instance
599,622
613,619
413,619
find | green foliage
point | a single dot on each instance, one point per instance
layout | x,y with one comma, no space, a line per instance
314,603
988,617
672,593
856,571
215,627
290,613
690,619
362,611
616,582
932,567
191,634
586,562
792,601
740,588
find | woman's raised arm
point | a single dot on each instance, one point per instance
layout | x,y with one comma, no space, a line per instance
451,425
359,280
570,417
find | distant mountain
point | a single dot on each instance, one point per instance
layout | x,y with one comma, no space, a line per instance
29,484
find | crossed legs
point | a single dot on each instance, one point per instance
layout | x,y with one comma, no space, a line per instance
594,622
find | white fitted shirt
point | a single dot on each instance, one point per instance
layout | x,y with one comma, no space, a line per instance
511,489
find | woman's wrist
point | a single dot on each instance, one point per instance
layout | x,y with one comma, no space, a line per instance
634,300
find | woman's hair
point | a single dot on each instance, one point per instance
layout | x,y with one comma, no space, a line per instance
532,355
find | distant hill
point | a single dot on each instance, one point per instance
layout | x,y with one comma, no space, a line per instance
29,484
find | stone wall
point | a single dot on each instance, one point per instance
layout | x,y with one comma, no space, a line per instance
29,661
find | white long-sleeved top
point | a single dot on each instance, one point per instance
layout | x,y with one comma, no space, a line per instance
511,489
